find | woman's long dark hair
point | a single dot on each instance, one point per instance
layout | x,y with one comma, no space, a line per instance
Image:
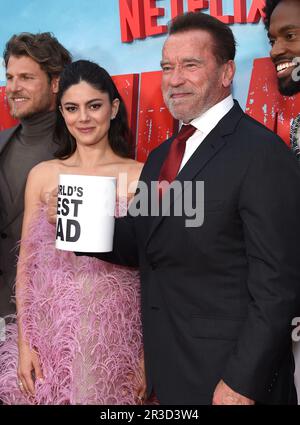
93,74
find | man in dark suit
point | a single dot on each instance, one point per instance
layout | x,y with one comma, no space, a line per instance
33,64
218,296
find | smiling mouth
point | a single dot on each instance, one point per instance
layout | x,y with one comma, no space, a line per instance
175,96
85,130
17,100
284,68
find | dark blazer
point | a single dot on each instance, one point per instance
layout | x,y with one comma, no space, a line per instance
218,300
11,217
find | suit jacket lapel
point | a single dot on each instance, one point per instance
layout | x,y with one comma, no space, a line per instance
6,135
210,147
10,203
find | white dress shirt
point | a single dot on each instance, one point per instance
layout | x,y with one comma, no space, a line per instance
204,125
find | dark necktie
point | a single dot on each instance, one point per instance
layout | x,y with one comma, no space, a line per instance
170,167
295,136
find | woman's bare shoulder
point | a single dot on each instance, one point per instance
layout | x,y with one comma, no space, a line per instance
134,168
47,167
43,177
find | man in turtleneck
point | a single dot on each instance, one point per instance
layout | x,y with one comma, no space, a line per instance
33,64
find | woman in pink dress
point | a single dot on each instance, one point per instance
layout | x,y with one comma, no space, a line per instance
78,334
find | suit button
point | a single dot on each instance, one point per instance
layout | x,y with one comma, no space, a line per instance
3,235
154,307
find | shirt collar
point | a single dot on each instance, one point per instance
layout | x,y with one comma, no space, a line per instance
207,121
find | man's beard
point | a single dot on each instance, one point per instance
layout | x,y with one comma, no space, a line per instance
288,89
28,112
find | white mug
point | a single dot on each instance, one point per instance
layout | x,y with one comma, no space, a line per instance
85,213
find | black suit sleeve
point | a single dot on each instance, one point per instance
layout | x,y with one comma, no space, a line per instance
270,211
125,250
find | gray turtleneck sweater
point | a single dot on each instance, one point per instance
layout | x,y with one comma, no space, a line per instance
30,144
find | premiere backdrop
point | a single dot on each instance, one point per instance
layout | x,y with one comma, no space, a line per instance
91,29
100,29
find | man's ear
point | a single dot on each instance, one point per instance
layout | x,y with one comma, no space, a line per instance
228,73
54,84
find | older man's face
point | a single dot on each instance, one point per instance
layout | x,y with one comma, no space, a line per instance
284,35
192,78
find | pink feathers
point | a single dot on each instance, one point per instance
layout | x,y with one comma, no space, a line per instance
83,317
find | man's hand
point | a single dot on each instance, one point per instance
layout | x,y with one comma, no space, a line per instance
224,395
51,201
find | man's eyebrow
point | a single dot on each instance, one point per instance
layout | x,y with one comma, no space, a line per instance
285,28
290,27
184,60
163,63
22,74
192,59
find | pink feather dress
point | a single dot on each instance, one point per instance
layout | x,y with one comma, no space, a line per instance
82,316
